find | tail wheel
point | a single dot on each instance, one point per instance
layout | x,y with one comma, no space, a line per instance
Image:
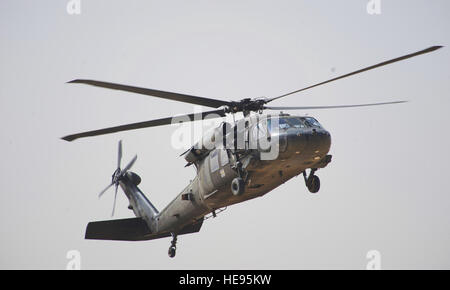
237,186
172,252
173,245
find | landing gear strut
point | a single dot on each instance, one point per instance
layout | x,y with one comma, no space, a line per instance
173,246
238,183
312,181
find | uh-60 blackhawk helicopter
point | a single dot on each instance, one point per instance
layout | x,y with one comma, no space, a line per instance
234,162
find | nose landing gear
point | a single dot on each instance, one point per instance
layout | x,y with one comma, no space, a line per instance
312,181
173,246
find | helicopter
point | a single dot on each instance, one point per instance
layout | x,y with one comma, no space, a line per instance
234,162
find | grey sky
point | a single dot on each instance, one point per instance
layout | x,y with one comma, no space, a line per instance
386,188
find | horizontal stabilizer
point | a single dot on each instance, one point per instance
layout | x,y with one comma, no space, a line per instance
132,229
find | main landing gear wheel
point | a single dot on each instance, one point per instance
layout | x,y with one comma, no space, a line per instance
173,246
312,181
238,186
314,184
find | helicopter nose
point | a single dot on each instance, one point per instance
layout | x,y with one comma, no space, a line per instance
320,140
313,141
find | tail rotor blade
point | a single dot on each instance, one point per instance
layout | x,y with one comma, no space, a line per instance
129,165
119,155
115,197
104,190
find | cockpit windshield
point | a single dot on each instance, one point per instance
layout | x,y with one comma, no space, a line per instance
295,122
312,122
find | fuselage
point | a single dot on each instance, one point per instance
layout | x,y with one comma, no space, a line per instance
301,143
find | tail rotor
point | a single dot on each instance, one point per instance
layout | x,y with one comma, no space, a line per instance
118,175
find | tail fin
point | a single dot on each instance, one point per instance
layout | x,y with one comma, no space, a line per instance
139,203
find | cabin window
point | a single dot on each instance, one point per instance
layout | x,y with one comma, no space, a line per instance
214,161
223,157
260,130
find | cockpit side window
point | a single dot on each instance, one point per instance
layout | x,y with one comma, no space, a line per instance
283,123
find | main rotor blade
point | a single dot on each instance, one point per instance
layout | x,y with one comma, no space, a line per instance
146,124
155,93
430,49
119,154
333,107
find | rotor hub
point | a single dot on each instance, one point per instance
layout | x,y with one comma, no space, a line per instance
116,176
246,106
